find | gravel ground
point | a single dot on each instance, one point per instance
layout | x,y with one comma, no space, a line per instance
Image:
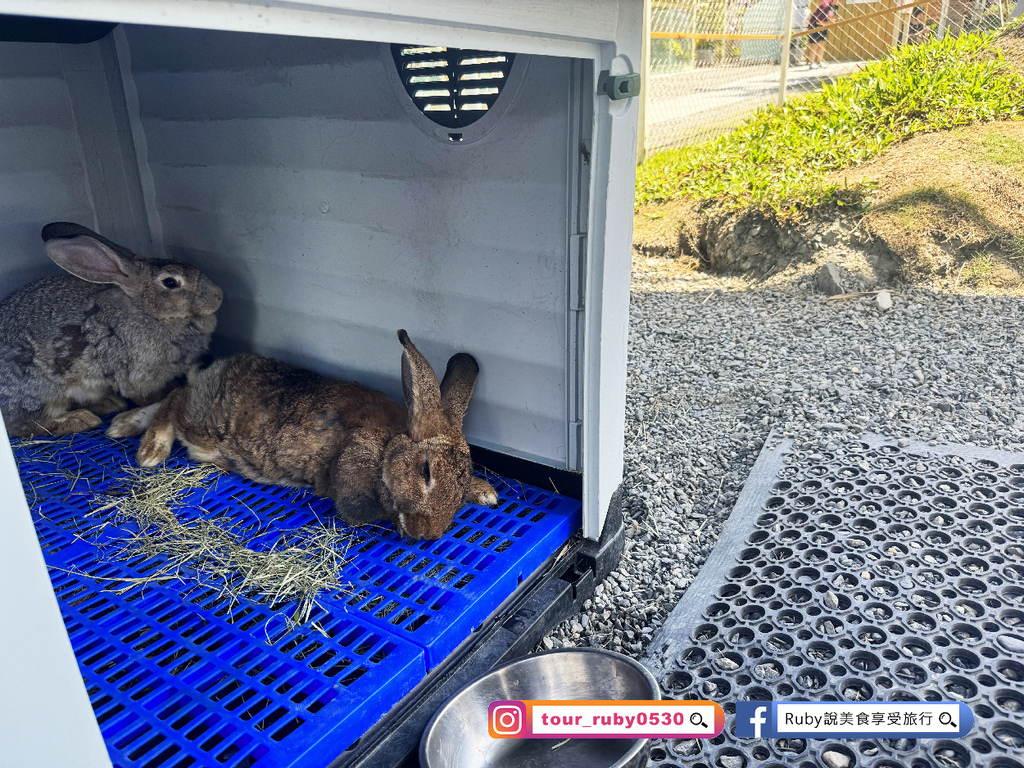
716,364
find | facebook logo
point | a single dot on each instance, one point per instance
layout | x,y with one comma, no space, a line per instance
751,717
853,719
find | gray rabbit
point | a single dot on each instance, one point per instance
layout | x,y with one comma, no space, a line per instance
73,346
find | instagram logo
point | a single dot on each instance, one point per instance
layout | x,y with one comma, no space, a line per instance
505,719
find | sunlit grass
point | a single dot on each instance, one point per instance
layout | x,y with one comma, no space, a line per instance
780,159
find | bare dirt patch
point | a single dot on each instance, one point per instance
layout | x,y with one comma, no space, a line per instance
659,230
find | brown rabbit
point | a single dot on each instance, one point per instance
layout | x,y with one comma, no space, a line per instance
275,423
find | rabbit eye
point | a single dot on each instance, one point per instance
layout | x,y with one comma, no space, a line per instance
170,283
426,472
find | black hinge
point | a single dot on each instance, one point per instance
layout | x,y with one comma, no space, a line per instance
617,87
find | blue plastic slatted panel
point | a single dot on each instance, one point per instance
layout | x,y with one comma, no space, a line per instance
434,591
180,675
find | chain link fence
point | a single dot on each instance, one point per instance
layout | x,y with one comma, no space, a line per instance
714,62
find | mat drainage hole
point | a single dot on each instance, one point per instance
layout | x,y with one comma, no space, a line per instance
1008,734
951,754
832,626
715,688
705,632
757,693
910,673
676,682
916,647
811,679
686,747
920,622
983,710
838,756
1011,702
871,636
769,670
868,748
691,657
730,758
899,695
981,746
789,748
900,745
820,651
1011,671
856,690
865,661
963,659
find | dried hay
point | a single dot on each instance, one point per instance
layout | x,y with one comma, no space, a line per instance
297,567
142,522
143,527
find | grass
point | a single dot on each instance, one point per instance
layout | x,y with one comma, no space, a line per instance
935,203
977,269
990,147
1001,150
779,159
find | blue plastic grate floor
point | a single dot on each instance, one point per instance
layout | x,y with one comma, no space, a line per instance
875,572
181,675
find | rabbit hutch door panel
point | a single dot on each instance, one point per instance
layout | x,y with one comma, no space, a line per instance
276,147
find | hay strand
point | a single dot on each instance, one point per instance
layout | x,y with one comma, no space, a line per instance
295,568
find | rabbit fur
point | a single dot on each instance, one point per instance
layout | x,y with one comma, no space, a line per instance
375,458
73,346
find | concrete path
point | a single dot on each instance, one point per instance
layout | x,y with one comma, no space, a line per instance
696,104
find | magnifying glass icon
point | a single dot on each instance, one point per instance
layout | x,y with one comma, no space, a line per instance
698,719
946,719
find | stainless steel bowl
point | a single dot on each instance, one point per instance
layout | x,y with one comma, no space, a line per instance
457,736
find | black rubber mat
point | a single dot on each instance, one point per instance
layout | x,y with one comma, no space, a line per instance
875,572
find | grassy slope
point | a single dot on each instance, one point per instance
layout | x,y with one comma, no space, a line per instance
781,158
950,203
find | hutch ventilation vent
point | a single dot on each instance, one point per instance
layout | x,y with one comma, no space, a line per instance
454,87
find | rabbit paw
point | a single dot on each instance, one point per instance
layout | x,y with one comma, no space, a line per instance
74,421
155,446
108,405
481,492
132,423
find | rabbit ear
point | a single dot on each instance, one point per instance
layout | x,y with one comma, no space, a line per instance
457,386
422,394
61,229
91,260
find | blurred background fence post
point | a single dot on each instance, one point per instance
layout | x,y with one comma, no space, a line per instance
645,85
943,16
787,39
